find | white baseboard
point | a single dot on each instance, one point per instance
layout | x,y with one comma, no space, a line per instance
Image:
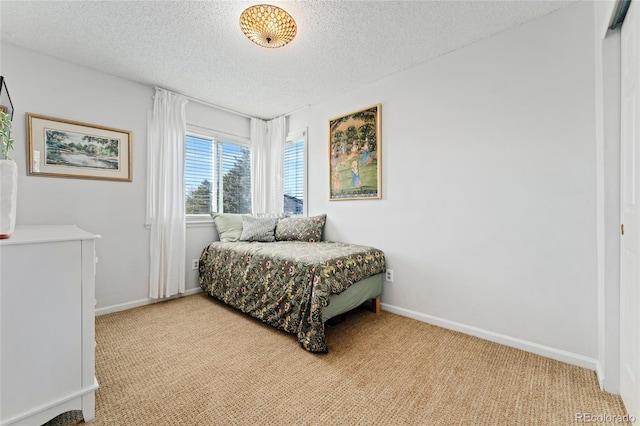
545,351
542,350
600,375
142,302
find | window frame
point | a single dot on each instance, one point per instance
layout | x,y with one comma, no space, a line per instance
195,130
294,137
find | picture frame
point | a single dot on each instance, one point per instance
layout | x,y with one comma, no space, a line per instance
355,155
5,100
71,149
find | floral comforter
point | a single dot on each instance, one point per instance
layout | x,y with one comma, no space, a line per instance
287,283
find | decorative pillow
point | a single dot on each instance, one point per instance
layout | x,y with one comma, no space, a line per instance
301,228
229,226
258,229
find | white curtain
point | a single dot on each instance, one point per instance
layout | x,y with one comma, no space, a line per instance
165,194
267,156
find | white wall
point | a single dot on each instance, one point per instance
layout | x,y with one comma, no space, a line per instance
488,214
116,210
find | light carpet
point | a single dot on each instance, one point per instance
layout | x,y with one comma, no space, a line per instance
194,361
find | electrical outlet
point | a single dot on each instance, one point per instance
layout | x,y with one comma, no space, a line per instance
388,277
195,264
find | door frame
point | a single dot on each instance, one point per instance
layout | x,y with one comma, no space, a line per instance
607,42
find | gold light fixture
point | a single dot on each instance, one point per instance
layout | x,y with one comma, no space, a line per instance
267,26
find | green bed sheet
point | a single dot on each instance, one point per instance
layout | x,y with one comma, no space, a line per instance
354,296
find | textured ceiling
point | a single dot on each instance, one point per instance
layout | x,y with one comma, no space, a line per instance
196,47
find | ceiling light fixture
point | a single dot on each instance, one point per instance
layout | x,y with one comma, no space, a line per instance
267,26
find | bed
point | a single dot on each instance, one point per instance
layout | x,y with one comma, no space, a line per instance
292,285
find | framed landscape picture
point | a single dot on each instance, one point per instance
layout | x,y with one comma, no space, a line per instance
70,149
355,155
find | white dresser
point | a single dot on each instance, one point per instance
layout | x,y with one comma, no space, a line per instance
47,324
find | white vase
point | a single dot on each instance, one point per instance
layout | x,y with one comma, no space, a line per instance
8,197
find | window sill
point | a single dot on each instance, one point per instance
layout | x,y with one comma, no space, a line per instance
194,221
199,221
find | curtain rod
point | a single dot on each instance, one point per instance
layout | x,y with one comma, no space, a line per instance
207,103
203,102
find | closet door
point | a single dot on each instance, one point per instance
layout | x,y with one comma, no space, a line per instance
630,214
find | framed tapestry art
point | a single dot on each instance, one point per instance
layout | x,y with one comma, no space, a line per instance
355,155
70,149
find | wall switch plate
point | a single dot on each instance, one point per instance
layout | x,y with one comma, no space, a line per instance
195,264
388,276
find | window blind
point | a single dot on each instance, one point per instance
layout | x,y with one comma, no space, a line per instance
294,178
198,174
217,176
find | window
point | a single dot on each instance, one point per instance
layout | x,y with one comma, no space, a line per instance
217,174
295,173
